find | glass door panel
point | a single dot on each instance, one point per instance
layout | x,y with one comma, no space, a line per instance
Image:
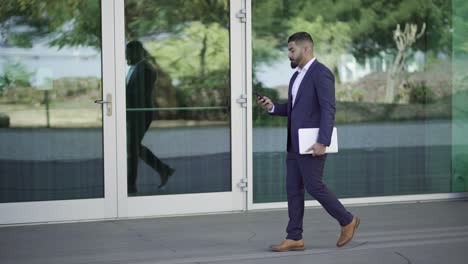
178,117
52,69
177,97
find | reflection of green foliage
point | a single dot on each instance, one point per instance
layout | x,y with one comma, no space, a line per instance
78,22
64,90
65,22
190,43
460,107
363,112
331,38
198,50
372,21
209,91
460,97
14,75
269,29
264,50
420,93
460,26
460,65
198,60
146,18
259,116
349,94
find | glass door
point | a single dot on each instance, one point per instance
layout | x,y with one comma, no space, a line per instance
180,129
57,150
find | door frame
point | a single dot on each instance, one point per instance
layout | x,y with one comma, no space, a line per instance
82,209
163,205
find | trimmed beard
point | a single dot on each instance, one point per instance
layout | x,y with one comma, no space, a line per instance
293,65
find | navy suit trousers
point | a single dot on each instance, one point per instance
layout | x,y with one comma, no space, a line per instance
306,172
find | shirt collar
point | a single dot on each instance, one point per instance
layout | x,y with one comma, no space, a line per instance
306,67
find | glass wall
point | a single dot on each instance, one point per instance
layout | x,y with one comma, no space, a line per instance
177,97
50,75
460,98
400,70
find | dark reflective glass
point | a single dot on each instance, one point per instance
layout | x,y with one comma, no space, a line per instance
50,75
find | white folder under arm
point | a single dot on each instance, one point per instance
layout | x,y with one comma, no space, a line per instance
308,137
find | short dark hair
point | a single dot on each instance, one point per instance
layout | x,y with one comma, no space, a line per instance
300,36
135,45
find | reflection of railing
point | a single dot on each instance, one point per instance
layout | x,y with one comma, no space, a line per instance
178,108
205,113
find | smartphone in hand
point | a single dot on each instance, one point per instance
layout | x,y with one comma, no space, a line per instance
259,96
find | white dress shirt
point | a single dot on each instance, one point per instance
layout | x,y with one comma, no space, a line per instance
130,72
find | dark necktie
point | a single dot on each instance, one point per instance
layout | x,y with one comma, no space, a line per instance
291,83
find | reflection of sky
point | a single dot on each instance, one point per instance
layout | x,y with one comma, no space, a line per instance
276,74
65,62
85,62
279,72
50,62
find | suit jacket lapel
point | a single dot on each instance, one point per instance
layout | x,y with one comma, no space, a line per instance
304,82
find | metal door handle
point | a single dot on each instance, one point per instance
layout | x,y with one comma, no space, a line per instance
107,102
102,102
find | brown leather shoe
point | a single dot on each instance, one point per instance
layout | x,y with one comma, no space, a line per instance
347,232
289,245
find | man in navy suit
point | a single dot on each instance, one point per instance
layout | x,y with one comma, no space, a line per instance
311,104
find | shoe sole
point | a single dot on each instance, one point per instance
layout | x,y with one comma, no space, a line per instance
286,250
358,221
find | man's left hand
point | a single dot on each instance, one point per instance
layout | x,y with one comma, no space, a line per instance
317,149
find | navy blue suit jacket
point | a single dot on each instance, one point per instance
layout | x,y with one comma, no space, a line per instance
314,105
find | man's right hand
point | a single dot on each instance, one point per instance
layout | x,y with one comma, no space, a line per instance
265,103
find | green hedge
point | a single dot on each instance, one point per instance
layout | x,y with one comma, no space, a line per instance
361,112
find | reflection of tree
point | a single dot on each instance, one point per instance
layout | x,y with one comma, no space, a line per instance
64,22
362,27
14,75
404,40
189,40
198,50
331,39
371,21
460,25
171,22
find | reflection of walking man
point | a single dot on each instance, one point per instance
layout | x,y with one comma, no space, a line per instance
141,79
311,103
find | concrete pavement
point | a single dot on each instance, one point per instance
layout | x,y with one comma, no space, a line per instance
427,232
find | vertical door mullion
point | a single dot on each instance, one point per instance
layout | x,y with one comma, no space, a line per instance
248,63
238,113
120,111
108,92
